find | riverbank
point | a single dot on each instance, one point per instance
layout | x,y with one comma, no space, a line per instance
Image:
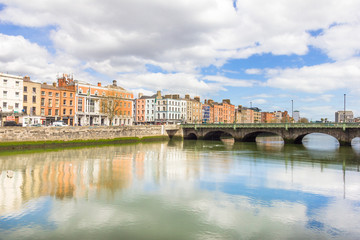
6,146
16,138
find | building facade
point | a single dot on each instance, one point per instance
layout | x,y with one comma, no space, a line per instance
341,116
11,97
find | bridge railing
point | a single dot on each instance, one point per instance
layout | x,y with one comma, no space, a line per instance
273,125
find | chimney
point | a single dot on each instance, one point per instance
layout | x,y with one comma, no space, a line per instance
187,97
54,84
114,83
140,95
158,94
205,101
99,84
197,98
27,79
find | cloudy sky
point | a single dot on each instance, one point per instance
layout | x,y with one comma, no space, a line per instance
259,52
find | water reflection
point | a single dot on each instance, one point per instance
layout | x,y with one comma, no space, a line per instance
181,190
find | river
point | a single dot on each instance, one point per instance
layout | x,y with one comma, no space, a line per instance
183,190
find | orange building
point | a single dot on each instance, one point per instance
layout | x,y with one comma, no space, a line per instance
95,104
267,117
140,110
50,103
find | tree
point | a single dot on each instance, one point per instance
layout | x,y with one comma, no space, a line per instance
304,120
110,107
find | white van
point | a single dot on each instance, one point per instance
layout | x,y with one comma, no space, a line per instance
59,124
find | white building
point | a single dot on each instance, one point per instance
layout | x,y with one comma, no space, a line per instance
296,116
11,96
171,110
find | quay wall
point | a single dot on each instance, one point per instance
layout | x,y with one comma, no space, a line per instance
23,134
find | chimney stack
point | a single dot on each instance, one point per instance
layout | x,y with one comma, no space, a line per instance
158,94
99,84
54,84
114,83
140,95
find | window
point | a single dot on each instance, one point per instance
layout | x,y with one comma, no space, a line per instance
80,105
70,111
92,105
5,82
16,105
57,95
4,94
64,102
64,111
25,88
71,102
42,101
17,94
49,111
57,102
129,105
43,93
25,98
56,112
34,90
80,90
34,99
42,111
64,94
17,83
50,103
50,94
71,95
33,110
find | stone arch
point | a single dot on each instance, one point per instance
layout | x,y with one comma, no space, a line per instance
251,137
299,138
216,135
191,136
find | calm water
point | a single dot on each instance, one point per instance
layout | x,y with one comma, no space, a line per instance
183,190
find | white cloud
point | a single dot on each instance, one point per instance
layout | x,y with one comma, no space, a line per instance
113,37
340,41
318,78
254,71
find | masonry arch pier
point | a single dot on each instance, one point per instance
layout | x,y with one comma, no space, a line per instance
251,137
290,132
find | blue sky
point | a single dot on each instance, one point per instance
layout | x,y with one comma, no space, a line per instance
259,52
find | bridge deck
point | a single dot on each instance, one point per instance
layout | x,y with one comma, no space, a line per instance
274,125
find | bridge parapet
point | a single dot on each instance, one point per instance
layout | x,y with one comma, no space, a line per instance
274,125
290,132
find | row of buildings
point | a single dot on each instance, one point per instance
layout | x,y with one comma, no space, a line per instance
80,103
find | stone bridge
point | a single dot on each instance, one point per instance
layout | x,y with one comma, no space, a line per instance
290,132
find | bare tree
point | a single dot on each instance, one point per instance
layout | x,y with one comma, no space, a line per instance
110,106
304,120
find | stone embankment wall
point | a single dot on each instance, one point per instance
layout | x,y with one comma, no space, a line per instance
20,134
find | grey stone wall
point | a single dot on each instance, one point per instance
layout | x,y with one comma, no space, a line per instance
18,134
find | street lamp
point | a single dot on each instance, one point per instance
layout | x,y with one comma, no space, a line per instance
292,109
344,108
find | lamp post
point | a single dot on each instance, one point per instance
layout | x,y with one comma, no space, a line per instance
344,108
292,110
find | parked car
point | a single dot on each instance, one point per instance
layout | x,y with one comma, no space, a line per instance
59,124
12,124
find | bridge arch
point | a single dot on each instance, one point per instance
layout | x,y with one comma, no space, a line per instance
191,136
299,138
251,137
217,135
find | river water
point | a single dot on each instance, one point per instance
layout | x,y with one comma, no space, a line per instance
183,190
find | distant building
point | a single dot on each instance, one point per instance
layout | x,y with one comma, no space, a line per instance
296,116
340,116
